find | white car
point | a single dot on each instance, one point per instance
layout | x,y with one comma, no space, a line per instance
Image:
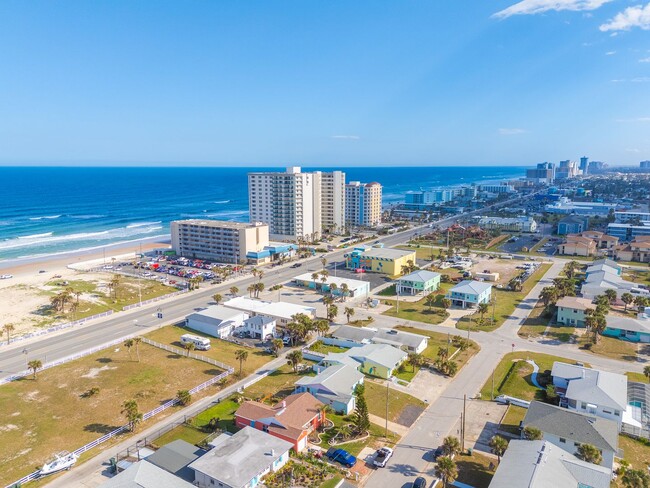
6,276
382,456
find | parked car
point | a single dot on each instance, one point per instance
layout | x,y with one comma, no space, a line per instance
420,482
437,453
382,456
6,276
296,265
341,456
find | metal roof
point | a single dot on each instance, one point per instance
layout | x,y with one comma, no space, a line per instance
145,475
593,386
175,457
471,286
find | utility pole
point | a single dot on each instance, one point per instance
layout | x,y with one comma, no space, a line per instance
397,290
387,389
492,394
464,419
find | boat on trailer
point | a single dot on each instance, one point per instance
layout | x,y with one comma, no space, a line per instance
62,460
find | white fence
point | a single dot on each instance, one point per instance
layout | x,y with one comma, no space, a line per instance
156,299
67,325
124,428
182,352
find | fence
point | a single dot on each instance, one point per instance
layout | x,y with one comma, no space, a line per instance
636,432
155,299
182,352
67,325
124,428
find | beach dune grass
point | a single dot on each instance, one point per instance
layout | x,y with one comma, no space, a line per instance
54,412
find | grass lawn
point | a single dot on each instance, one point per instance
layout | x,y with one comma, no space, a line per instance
636,452
637,377
376,440
407,374
196,429
419,311
438,340
222,351
50,414
512,419
277,385
496,243
332,482
474,470
536,324
318,346
397,401
518,383
389,291
362,322
611,347
539,244
506,302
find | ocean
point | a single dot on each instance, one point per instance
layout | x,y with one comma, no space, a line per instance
54,210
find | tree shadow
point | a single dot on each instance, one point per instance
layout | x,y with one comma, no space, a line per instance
100,428
213,371
104,360
45,311
174,356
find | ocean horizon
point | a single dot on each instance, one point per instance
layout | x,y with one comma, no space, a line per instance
55,210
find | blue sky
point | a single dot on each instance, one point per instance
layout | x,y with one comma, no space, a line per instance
356,82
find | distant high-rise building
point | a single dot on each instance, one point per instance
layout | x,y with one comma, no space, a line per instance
568,169
584,165
543,174
292,202
644,164
596,166
363,204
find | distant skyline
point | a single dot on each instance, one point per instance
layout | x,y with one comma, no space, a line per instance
322,84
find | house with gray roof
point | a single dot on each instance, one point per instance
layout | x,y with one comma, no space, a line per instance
628,328
175,458
591,391
569,429
380,360
420,282
470,293
540,464
333,386
349,336
143,474
241,460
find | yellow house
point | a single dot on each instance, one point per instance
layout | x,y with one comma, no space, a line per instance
379,260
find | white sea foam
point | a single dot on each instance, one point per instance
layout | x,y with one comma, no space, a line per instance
86,217
36,236
222,201
45,217
142,224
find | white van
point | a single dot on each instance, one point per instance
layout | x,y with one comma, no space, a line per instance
508,400
200,343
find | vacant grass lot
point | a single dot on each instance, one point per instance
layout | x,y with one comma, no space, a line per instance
50,414
611,347
397,401
506,302
420,311
516,381
276,385
636,452
638,377
220,350
536,324
512,419
475,470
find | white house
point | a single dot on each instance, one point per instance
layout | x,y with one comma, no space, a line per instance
240,460
591,391
217,321
260,326
349,336
280,311
333,386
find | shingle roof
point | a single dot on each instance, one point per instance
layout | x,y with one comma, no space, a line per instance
175,457
382,354
339,379
576,426
593,386
540,464
628,323
145,475
384,335
471,286
576,303
357,334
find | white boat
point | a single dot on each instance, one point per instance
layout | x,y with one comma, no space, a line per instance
62,460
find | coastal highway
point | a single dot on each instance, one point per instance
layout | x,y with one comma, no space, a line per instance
49,348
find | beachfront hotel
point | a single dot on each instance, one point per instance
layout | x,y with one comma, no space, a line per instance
297,205
363,204
218,240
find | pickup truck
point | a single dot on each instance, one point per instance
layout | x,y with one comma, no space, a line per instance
382,456
341,456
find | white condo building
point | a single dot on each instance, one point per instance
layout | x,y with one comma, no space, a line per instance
297,205
363,204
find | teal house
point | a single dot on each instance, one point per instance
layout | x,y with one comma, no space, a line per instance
573,310
469,293
420,282
629,329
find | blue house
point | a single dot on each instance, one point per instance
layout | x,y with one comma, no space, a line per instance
629,329
470,293
573,224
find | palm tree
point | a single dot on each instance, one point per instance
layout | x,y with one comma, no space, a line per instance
322,327
241,356
345,290
114,285
498,446
34,365
234,290
532,433
348,312
646,372
276,346
137,341
345,431
132,414
8,329
415,360
324,262
293,359
217,297
446,303
627,299
548,295
129,343
314,276
446,470
482,309
430,300
589,453
450,446
250,290
77,294
611,295
636,478
184,397
332,312
189,347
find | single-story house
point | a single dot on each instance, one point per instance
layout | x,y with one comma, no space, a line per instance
355,288
280,311
143,474
381,360
540,464
292,420
240,460
569,429
576,245
420,282
217,321
470,293
591,391
260,326
572,310
349,336
334,386
597,282
176,457
630,329
607,265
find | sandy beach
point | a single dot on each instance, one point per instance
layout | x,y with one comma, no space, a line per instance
27,292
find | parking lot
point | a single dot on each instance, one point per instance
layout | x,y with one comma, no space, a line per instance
524,240
375,279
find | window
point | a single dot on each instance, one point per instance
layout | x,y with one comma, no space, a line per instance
562,440
607,411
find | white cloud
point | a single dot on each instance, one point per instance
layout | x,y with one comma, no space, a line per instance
511,132
635,119
526,7
637,16
645,60
633,150
350,138
640,79
610,53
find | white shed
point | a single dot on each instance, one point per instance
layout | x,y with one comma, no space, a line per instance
216,321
